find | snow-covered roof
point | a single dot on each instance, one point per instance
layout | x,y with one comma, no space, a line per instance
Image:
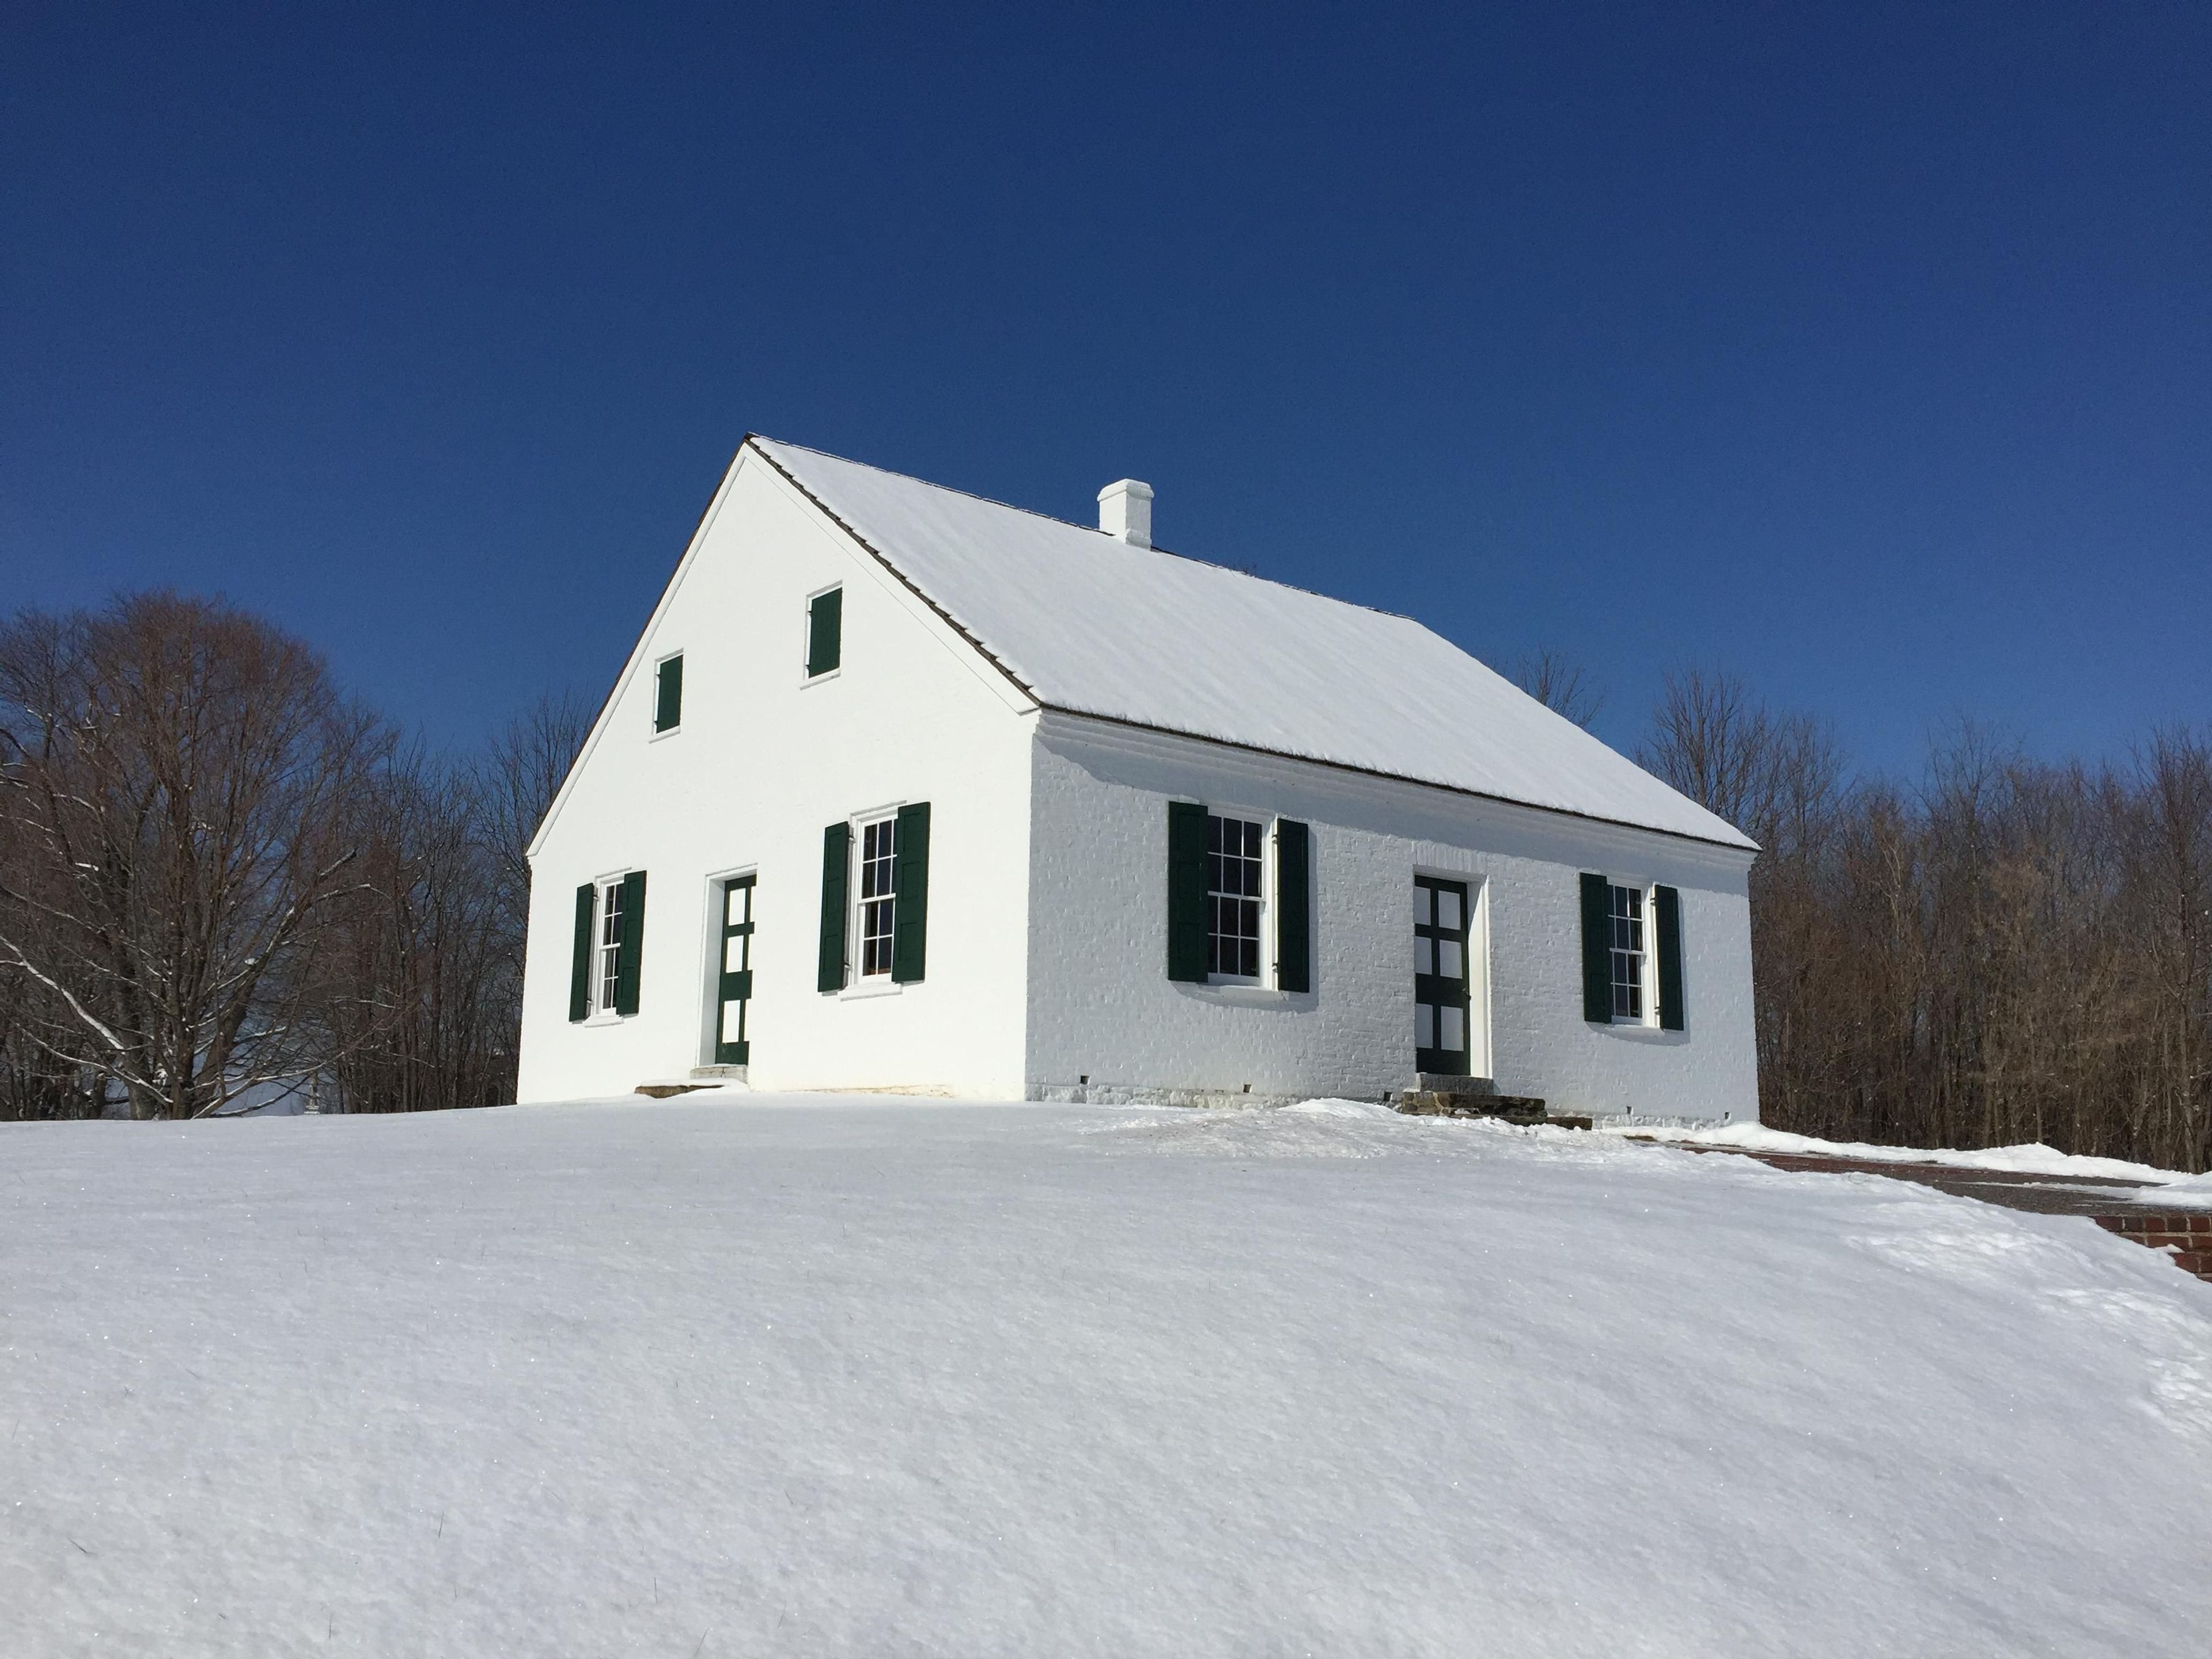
1088,623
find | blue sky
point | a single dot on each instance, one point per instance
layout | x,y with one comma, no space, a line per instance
1864,351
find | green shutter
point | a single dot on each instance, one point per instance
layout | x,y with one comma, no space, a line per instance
627,958
1667,914
1293,911
825,631
836,850
579,971
1187,928
668,702
1597,950
911,882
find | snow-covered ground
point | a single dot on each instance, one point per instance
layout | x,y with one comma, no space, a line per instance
2032,1158
729,1376
2190,1193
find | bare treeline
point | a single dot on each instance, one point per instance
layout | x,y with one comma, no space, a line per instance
220,879
2006,951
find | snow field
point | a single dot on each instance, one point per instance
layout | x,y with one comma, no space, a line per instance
731,1374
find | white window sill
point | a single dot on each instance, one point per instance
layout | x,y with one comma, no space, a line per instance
675,731
1645,1030
604,1019
876,985
806,680
1242,991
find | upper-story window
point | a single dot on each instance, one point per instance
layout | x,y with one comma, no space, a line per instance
668,694
825,630
1236,885
1628,953
879,894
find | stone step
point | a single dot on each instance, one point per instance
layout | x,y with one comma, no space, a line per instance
1469,1103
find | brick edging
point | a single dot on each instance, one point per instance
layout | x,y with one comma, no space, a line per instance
2187,1233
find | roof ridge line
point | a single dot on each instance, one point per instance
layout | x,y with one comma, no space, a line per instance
1092,529
755,442
950,489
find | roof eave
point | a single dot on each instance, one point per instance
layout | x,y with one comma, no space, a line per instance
1747,847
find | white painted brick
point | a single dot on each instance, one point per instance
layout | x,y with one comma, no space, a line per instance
763,762
1101,1004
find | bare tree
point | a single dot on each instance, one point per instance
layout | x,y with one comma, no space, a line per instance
434,1021
2166,861
179,779
2009,950
524,769
1559,685
1713,742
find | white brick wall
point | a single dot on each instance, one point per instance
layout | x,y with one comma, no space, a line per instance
1100,1003
763,762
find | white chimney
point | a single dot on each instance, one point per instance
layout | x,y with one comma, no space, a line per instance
1125,509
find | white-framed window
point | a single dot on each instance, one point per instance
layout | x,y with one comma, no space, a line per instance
878,896
1629,954
1235,898
607,977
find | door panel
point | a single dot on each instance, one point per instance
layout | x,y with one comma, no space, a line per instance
734,983
1440,965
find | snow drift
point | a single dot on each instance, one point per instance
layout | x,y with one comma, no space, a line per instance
718,1376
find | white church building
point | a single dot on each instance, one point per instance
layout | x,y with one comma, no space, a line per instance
906,790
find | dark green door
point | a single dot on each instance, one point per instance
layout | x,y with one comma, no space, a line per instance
1440,918
735,984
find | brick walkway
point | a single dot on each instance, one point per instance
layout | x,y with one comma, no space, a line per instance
2186,1233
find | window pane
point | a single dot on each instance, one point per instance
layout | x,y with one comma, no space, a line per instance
878,869
1448,910
1451,962
879,885
1455,1028
1235,888
1424,1026
733,953
610,932
876,920
1627,985
732,1014
1424,955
